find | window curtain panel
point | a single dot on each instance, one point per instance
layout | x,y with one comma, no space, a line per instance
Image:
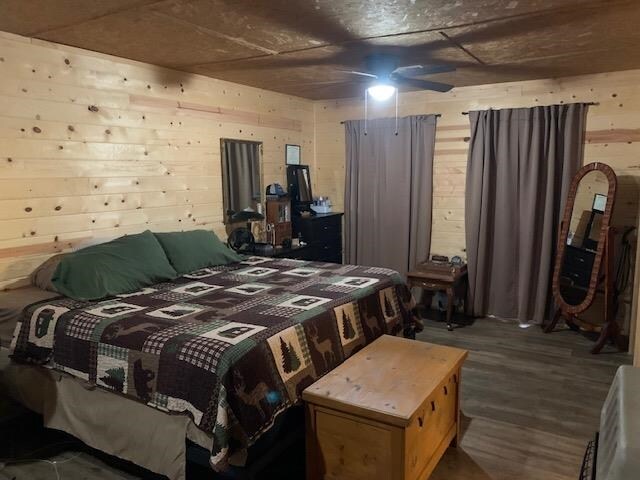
241,170
521,163
388,191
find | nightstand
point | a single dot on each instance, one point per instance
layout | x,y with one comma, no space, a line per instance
440,276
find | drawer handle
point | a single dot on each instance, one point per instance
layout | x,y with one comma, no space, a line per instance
433,406
455,378
445,390
420,421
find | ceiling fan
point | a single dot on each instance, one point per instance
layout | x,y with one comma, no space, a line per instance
326,23
387,75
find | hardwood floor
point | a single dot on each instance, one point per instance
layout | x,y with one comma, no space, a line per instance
530,404
531,401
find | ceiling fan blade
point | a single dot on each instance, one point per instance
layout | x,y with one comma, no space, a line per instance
308,19
423,84
353,72
417,70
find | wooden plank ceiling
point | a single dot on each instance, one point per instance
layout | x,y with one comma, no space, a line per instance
299,47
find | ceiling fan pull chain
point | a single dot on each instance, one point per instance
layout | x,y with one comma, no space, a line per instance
366,94
396,111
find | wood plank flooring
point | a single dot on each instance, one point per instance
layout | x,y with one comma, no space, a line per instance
531,401
530,404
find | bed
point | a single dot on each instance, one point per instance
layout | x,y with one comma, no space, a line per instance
227,349
12,303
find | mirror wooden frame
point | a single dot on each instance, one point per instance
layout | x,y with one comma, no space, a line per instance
225,177
564,232
604,257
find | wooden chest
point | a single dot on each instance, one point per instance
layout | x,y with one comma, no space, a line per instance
388,413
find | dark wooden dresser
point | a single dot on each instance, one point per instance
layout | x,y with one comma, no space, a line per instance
323,234
578,263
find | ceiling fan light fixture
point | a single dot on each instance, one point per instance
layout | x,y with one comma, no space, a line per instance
381,91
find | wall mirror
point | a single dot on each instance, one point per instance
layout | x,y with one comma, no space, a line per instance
299,185
241,177
584,259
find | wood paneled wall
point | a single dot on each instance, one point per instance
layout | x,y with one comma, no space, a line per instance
613,137
93,147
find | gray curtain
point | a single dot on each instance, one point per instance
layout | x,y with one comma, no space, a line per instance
241,174
521,163
388,191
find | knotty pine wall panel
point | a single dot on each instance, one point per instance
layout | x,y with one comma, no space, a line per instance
93,147
613,137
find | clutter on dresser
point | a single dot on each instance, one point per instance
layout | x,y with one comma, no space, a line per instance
321,205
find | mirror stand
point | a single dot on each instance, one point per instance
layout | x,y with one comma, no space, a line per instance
585,257
609,330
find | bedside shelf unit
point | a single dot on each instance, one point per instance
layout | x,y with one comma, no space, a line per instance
279,215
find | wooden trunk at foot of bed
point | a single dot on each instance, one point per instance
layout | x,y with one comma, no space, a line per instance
388,413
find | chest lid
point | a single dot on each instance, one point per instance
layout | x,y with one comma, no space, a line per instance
386,381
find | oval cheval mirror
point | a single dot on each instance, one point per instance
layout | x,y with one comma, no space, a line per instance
584,258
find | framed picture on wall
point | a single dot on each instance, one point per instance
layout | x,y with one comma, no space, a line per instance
292,154
599,202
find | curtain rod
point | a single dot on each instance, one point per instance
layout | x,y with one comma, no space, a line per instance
584,103
438,115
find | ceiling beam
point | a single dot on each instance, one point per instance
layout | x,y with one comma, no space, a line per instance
460,47
213,33
141,3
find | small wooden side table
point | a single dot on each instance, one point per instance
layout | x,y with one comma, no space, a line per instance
439,276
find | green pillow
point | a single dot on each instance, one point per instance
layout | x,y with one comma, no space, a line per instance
123,265
195,249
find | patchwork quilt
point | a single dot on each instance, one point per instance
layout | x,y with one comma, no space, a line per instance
233,346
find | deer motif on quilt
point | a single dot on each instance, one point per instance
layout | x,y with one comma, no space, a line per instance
324,347
253,397
371,322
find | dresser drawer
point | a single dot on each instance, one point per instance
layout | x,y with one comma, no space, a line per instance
330,227
580,278
320,228
579,259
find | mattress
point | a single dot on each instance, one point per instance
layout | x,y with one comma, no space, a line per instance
123,427
12,303
231,346
114,424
